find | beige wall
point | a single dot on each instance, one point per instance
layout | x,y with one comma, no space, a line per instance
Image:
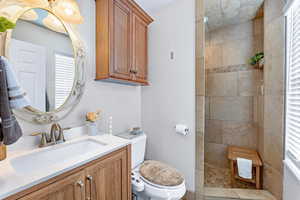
232,89
273,133
200,98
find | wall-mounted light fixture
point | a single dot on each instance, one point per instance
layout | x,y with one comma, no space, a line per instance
68,10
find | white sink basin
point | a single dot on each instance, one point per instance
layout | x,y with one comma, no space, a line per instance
57,155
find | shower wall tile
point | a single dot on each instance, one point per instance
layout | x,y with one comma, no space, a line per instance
200,151
273,9
238,31
273,131
222,84
237,52
258,26
199,184
213,131
200,113
248,83
258,44
256,110
273,181
260,142
200,45
231,33
217,37
274,70
200,76
239,134
216,154
207,111
213,56
232,108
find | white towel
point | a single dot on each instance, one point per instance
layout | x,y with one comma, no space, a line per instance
244,168
17,97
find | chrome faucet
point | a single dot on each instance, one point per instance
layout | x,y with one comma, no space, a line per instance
56,136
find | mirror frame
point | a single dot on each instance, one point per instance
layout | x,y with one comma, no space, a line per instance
33,115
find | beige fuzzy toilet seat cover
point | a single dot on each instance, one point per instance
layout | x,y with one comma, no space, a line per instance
160,173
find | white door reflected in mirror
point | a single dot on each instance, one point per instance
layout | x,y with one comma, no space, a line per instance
42,54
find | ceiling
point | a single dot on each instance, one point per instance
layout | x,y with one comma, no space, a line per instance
226,12
151,5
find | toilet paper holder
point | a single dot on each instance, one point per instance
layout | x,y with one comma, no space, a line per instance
182,129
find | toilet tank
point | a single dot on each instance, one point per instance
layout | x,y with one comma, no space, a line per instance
138,148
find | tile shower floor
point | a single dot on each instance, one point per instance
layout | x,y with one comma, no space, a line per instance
221,178
218,187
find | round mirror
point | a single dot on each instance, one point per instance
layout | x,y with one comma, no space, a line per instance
42,54
48,60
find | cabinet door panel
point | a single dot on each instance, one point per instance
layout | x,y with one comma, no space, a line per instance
121,40
140,53
109,179
70,188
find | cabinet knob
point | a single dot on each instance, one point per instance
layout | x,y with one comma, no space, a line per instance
133,71
80,183
89,177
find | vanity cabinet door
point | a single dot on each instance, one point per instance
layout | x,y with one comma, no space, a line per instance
121,50
121,42
70,188
140,52
109,178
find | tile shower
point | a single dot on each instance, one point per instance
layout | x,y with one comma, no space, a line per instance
239,113
233,99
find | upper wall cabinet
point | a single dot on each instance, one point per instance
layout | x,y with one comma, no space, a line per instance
121,42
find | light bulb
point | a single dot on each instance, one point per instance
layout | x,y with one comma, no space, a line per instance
68,10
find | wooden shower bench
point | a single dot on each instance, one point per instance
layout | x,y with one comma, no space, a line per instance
239,152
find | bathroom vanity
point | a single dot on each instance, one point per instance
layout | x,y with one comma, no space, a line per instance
88,168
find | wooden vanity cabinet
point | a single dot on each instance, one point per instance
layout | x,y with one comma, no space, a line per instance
121,41
108,178
70,188
106,181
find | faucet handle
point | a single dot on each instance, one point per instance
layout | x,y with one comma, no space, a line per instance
67,128
44,139
37,133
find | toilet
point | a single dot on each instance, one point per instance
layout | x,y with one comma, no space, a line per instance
145,188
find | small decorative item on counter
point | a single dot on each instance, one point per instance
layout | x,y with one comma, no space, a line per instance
136,131
258,60
110,125
91,119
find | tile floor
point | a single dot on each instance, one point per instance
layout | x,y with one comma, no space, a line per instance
220,178
218,187
235,194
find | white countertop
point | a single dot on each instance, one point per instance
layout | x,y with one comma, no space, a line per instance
12,181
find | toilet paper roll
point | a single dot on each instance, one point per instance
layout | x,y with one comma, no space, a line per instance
182,129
